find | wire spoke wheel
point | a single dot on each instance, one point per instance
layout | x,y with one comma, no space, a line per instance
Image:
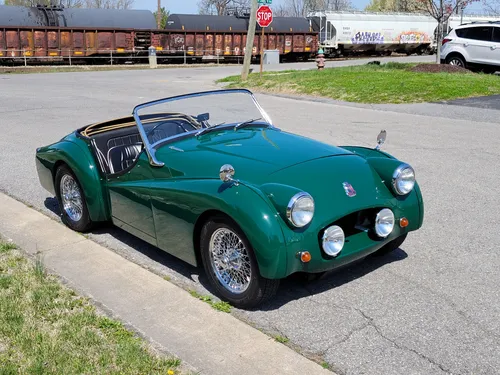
71,198
230,260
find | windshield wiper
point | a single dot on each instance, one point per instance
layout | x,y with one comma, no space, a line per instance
206,130
248,122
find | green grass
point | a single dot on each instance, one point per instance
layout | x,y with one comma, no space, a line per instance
386,83
220,306
281,339
45,328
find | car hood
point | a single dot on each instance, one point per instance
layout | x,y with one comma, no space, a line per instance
253,152
337,185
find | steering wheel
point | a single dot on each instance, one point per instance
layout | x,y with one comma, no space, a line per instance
179,123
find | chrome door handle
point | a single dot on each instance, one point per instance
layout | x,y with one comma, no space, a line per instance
466,44
493,47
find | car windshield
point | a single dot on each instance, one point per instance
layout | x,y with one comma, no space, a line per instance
197,113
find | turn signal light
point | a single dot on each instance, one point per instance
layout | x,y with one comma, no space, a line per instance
305,257
403,223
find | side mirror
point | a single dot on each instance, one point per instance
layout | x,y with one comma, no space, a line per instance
381,139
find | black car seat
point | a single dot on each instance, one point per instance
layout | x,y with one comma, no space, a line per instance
123,156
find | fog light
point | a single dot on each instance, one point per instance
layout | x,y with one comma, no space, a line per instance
384,222
333,240
403,223
305,256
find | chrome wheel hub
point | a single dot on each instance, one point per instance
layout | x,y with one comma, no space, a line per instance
455,62
230,260
71,198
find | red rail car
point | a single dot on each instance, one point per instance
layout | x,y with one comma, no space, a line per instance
229,45
51,44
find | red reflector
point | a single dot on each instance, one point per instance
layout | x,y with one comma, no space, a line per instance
445,40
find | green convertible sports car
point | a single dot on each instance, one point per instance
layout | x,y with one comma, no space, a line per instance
209,179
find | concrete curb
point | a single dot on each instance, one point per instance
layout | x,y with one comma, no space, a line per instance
212,342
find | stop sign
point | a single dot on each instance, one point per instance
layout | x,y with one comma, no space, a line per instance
264,16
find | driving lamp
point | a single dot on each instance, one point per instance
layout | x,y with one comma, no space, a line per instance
384,222
333,240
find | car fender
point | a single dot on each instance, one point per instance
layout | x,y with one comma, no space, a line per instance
177,202
76,154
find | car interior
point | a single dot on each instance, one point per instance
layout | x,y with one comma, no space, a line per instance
117,143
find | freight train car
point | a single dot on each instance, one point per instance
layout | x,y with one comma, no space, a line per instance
351,32
209,37
56,33
343,33
59,34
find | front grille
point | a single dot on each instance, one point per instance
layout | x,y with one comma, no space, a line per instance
354,223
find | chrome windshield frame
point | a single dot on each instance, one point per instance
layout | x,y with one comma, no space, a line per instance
150,150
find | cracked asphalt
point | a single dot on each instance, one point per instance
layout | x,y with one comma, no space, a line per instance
430,307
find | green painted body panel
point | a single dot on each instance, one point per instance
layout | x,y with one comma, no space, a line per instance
162,205
76,153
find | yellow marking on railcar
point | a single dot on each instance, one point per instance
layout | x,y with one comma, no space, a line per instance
78,53
120,50
159,48
53,53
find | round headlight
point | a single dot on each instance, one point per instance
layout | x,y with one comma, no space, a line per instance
384,222
333,240
300,210
403,179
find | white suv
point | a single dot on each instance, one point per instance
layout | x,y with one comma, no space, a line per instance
473,45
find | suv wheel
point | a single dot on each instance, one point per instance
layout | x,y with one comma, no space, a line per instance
456,60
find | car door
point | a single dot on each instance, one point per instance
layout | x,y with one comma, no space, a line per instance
478,42
495,47
130,201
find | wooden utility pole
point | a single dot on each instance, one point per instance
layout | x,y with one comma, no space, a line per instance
159,15
250,38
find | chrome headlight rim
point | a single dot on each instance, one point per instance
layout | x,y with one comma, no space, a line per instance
397,174
377,227
336,248
291,204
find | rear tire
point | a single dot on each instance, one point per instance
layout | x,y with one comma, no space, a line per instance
71,199
391,246
456,60
231,267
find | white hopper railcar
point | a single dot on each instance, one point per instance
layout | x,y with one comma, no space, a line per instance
355,32
348,32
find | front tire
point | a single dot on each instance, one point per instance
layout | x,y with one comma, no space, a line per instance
72,204
391,246
231,266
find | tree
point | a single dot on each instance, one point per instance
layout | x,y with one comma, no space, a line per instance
441,10
33,3
300,8
393,6
109,4
101,4
219,7
492,6
163,17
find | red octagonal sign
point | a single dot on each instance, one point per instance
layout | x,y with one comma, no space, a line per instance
264,16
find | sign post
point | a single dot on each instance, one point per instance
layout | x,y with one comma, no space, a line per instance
264,19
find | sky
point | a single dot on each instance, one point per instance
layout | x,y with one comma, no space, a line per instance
191,6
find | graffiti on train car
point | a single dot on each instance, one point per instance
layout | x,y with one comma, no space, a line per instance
368,37
413,37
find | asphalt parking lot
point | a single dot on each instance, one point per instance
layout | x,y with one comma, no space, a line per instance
431,307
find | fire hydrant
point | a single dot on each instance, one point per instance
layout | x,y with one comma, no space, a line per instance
320,60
